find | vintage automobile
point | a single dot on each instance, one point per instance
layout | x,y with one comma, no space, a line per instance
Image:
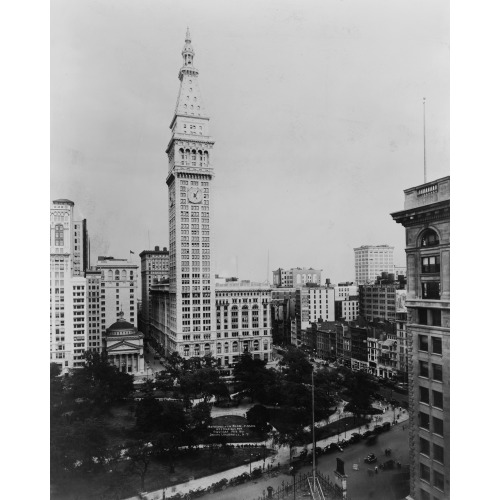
370,458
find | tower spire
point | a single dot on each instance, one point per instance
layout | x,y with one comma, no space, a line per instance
187,56
188,36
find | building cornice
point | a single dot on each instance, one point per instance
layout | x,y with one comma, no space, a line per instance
424,214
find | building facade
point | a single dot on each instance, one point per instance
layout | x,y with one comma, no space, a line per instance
298,276
124,346
154,268
68,286
118,290
94,327
426,218
371,260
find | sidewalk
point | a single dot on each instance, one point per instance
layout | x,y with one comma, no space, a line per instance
282,458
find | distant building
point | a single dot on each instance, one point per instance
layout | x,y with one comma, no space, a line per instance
282,312
372,260
298,276
426,218
312,303
68,286
154,269
118,290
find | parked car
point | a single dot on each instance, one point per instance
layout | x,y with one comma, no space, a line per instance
378,429
366,434
371,439
370,458
355,437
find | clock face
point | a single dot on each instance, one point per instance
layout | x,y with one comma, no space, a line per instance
194,195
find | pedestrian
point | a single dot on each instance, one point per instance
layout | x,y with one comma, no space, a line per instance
376,470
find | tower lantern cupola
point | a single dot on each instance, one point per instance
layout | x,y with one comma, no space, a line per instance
187,55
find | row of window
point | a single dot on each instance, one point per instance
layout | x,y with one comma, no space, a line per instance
436,346
437,478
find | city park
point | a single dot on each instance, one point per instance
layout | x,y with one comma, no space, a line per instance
189,432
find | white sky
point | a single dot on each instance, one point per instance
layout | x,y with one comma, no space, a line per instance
316,110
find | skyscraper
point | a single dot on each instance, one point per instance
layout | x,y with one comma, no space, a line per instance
426,217
68,286
191,299
372,260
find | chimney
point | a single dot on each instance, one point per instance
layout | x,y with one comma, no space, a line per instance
164,249
157,249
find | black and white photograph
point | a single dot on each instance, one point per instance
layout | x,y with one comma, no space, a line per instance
249,212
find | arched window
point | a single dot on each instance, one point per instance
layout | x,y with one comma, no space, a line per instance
186,350
244,316
117,275
59,235
124,274
207,348
200,158
197,349
255,345
219,349
429,238
226,347
110,274
235,346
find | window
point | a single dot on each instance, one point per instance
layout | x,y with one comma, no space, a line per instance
425,447
437,345
437,426
437,372
59,235
424,495
431,290
423,343
437,399
429,238
430,264
438,480
424,395
424,369
425,473
438,453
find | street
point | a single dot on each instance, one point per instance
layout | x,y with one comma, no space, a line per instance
386,485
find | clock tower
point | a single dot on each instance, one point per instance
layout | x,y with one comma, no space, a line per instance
191,299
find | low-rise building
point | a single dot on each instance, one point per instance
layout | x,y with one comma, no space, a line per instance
124,345
298,276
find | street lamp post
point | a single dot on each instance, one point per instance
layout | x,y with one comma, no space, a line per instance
313,440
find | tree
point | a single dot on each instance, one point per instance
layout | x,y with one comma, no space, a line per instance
259,416
98,384
55,370
359,388
253,377
204,382
149,415
296,366
139,456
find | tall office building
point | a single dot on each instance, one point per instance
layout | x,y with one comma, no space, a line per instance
154,268
372,260
191,300
94,329
118,291
426,217
68,286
